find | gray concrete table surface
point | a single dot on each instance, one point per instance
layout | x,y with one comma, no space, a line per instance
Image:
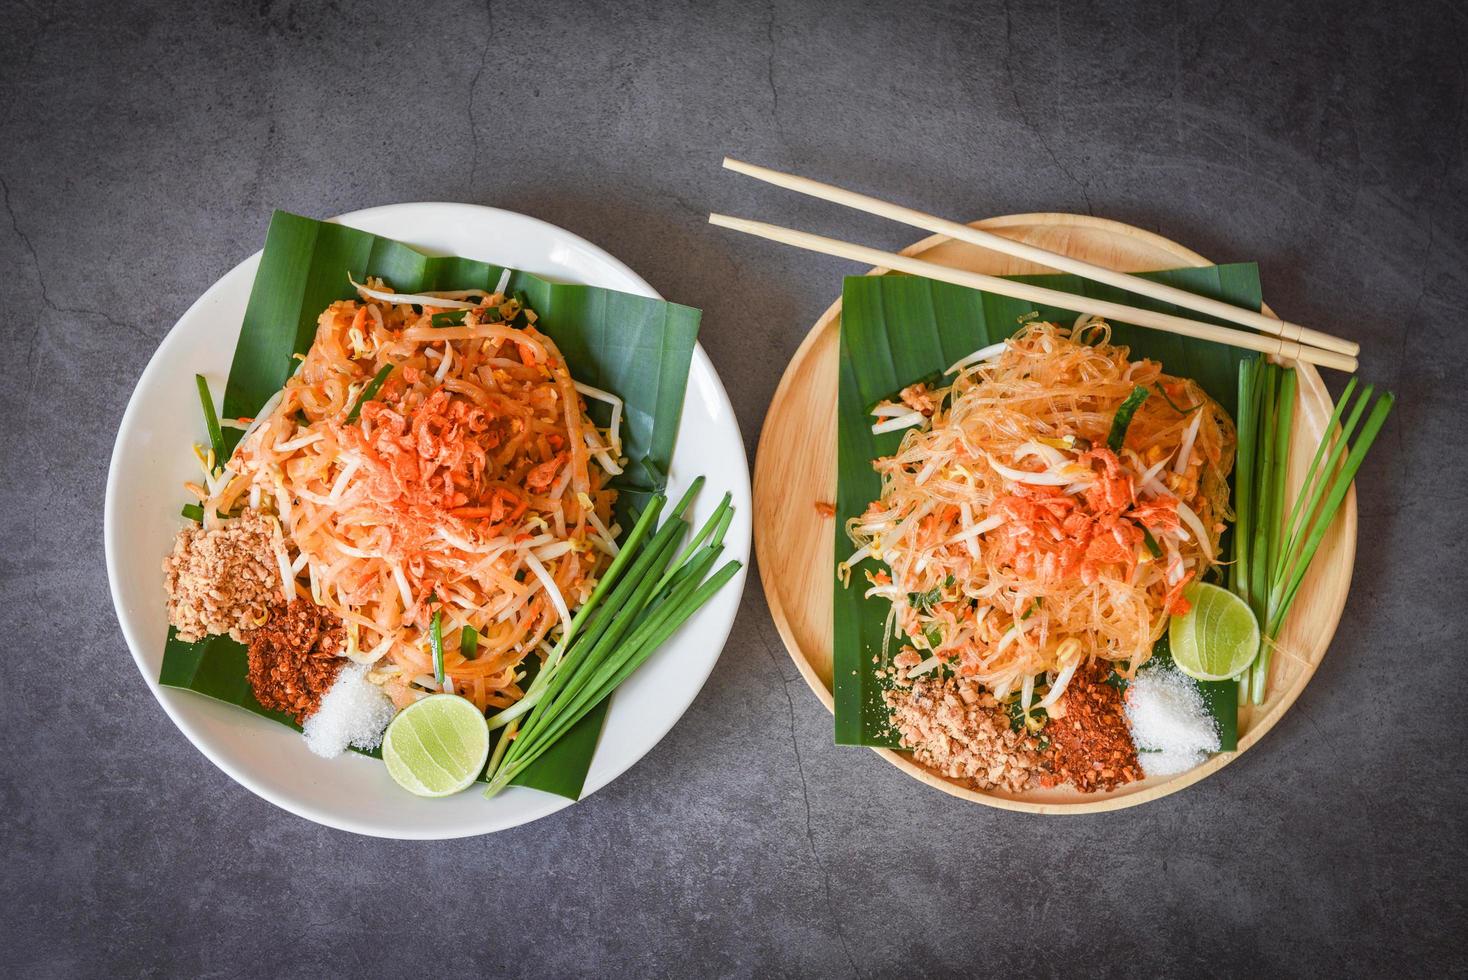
144,147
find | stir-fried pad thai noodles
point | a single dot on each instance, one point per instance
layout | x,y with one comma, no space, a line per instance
433,481
1045,511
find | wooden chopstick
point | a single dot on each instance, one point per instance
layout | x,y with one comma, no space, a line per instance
1281,347
1039,256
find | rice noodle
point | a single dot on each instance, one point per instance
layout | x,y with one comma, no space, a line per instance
473,466
1023,571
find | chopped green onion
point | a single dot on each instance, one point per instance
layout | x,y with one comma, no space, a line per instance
469,642
1030,609
451,318
1123,418
1172,404
1153,548
370,392
193,512
435,638
211,420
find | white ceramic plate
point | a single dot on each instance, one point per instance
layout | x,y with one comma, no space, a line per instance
151,461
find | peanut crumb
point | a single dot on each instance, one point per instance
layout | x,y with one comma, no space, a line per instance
223,579
957,729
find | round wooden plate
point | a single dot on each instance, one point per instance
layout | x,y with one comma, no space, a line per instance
796,468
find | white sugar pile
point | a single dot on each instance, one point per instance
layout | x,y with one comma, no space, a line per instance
353,712
1170,724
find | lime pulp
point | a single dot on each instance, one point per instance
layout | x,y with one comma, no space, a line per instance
1217,638
437,746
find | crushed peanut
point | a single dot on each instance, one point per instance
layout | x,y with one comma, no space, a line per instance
221,580
958,730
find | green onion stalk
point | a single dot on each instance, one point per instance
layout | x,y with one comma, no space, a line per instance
1274,544
650,589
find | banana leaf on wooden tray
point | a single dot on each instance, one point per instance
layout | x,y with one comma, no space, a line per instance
896,330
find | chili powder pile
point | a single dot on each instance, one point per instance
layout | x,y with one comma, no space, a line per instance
1090,744
295,657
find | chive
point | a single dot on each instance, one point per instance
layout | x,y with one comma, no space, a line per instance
575,691
616,670
1153,548
1243,479
211,420
1172,404
451,318
1030,609
1123,418
589,609
1324,515
571,686
620,665
1284,429
435,637
370,392
925,600
717,524
469,643
1332,429
653,594
193,512
1276,540
1263,477
520,320
618,616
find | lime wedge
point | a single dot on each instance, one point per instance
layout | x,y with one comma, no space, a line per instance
436,746
1218,636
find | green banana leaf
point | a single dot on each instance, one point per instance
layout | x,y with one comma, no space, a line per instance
898,329
635,347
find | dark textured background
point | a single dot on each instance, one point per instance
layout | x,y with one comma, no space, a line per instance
142,148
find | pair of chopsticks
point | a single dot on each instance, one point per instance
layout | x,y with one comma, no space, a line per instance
1288,341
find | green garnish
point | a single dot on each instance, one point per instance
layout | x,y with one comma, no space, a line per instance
1123,418
370,392
211,420
451,318
469,643
435,639
642,599
522,303
193,512
927,600
934,637
1172,404
1273,547
1153,548
1030,609
1032,721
